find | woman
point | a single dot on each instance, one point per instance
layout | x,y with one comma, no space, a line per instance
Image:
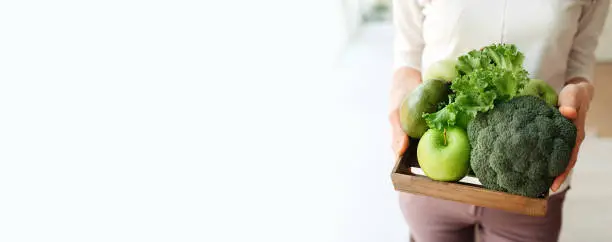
558,38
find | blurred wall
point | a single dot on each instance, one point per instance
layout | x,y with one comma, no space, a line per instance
344,20
604,49
600,113
327,25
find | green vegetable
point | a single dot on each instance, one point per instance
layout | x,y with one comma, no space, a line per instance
520,146
505,56
442,70
425,98
542,89
485,77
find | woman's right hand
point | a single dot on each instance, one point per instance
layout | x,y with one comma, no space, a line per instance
399,139
404,81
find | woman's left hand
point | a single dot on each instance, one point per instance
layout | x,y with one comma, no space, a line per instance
574,101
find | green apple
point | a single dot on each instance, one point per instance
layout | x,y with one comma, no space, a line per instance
539,88
444,155
443,70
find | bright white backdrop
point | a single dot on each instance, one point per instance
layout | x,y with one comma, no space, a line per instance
190,120
185,121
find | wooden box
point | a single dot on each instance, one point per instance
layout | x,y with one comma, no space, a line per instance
407,178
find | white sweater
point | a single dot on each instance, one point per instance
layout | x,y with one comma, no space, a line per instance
558,37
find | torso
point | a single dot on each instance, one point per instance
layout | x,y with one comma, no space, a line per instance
542,29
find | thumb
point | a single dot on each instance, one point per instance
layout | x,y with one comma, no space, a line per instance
569,112
568,103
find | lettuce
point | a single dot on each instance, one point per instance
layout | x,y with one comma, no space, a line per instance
485,77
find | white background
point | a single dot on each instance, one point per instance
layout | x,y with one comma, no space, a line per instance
202,121
174,121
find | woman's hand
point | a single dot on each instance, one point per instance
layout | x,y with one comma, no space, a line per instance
399,139
574,101
404,81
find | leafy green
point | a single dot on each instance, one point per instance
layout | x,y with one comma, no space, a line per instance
505,56
487,76
471,61
445,117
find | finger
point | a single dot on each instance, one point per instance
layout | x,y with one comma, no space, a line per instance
403,146
569,112
558,181
561,178
569,104
568,97
399,141
580,120
574,158
579,139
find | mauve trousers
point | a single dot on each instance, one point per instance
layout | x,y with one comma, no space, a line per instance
435,220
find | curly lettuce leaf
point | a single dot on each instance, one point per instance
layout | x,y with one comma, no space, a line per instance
449,116
471,61
504,84
445,117
478,91
506,56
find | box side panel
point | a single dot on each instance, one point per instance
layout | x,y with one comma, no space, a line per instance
469,195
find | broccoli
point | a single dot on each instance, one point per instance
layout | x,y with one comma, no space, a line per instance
520,146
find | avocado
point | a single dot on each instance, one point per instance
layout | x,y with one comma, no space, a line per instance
423,99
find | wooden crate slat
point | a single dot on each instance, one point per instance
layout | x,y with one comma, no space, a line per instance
469,195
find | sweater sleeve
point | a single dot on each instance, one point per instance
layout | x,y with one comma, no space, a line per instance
582,59
408,37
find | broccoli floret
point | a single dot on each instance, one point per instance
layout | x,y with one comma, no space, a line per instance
520,146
